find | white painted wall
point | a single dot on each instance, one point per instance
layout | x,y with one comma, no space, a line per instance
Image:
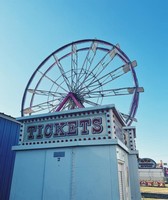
134,176
89,172
28,175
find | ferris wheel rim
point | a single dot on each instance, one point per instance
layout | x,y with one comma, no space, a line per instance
135,95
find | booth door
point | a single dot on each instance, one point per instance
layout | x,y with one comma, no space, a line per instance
121,181
57,175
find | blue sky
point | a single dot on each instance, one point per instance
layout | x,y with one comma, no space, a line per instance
31,30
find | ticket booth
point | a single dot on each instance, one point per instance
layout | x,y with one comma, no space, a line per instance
85,153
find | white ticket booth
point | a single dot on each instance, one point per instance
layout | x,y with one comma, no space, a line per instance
81,154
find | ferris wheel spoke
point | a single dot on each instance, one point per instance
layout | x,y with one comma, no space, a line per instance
120,71
88,73
43,75
102,64
41,106
68,105
46,93
74,65
56,106
94,87
113,92
88,61
54,82
92,103
62,72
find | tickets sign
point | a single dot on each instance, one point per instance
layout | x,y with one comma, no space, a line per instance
67,127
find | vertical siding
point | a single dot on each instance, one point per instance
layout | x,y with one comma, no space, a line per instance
9,133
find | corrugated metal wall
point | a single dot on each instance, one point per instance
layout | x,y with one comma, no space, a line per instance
9,133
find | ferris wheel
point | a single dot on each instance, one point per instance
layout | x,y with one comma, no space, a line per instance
83,73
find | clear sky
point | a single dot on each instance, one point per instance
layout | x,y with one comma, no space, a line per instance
31,30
